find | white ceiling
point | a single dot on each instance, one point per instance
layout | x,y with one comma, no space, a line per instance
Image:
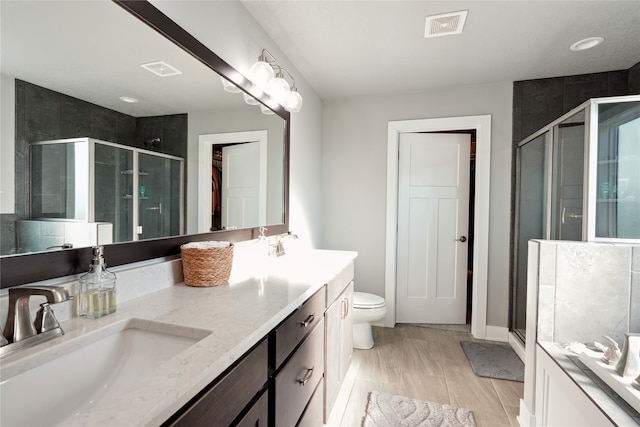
92,50
357,48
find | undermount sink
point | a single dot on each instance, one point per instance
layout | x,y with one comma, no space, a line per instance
59,385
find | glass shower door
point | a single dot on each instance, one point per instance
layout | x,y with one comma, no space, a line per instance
568,178
530,220
618,171
160,196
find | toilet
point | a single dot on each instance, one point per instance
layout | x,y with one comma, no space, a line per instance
367,309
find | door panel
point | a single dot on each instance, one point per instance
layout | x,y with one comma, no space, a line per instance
433,202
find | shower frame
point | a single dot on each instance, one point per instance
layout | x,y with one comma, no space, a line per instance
590,199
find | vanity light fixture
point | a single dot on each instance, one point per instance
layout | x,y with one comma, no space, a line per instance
587,43
269,77
229,87
161,68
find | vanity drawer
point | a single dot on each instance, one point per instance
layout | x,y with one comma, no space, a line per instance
313,415
289,334
224,399
298,379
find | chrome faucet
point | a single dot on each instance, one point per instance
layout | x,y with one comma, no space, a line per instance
276,248
19,327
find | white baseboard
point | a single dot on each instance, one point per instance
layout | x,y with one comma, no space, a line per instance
525,418
496,333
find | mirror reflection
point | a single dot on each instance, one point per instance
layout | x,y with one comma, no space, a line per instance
98,149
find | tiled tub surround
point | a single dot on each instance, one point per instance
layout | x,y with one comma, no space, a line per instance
262,292
580,291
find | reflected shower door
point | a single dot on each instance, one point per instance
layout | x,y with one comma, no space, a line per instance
160,196
113,189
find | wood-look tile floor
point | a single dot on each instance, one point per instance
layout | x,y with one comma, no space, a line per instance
426,364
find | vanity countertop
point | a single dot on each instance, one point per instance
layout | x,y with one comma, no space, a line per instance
238,315
614,407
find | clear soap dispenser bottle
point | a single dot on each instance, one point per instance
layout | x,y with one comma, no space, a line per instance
97,288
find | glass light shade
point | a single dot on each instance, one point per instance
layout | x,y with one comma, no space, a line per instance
261,73
228,86
294,101
249,99
266,110
279,89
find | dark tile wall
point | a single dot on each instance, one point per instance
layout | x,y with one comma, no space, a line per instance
538,102
43,114
634,79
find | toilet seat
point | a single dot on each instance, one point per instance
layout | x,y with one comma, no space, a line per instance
367,301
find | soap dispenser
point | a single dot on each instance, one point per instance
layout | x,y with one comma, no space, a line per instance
97,288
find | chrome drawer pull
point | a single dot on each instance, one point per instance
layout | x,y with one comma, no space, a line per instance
307,377
307,321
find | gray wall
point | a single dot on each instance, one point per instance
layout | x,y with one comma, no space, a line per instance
354,177
234,35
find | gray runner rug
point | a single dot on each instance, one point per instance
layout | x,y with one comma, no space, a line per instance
388,410
494,361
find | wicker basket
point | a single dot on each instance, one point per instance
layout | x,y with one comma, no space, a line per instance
206,265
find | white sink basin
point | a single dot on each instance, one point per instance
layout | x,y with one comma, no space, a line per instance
59,385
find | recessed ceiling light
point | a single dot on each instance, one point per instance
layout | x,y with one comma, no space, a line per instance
587,43
161,68
128,99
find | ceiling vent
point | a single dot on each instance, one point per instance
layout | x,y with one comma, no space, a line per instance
161,68
445,24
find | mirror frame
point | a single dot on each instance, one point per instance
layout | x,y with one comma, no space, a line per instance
27,268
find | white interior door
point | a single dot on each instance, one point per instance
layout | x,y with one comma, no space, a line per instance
241,195
433,211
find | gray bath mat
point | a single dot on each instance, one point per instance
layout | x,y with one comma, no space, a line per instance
388,410
494,361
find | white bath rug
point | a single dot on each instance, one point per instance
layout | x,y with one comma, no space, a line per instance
388,410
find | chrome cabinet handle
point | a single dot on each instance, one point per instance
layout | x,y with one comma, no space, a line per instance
307,377
309,320
462,239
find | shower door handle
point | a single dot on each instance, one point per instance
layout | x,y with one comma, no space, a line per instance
156,208
462,239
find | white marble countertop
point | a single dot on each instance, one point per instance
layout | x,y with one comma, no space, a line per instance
258,297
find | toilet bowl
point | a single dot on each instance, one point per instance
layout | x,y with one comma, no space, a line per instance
367,308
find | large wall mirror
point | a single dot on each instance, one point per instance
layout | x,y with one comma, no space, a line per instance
91,167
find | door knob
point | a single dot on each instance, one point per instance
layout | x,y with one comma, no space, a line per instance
462,239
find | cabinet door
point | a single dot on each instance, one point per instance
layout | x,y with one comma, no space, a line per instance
333,356
346,336
339,344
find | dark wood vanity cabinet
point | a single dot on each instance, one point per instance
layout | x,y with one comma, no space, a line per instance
299,365
277,383
242,389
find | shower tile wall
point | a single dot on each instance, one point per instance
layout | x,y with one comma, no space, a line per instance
42,114
539,102
587,290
